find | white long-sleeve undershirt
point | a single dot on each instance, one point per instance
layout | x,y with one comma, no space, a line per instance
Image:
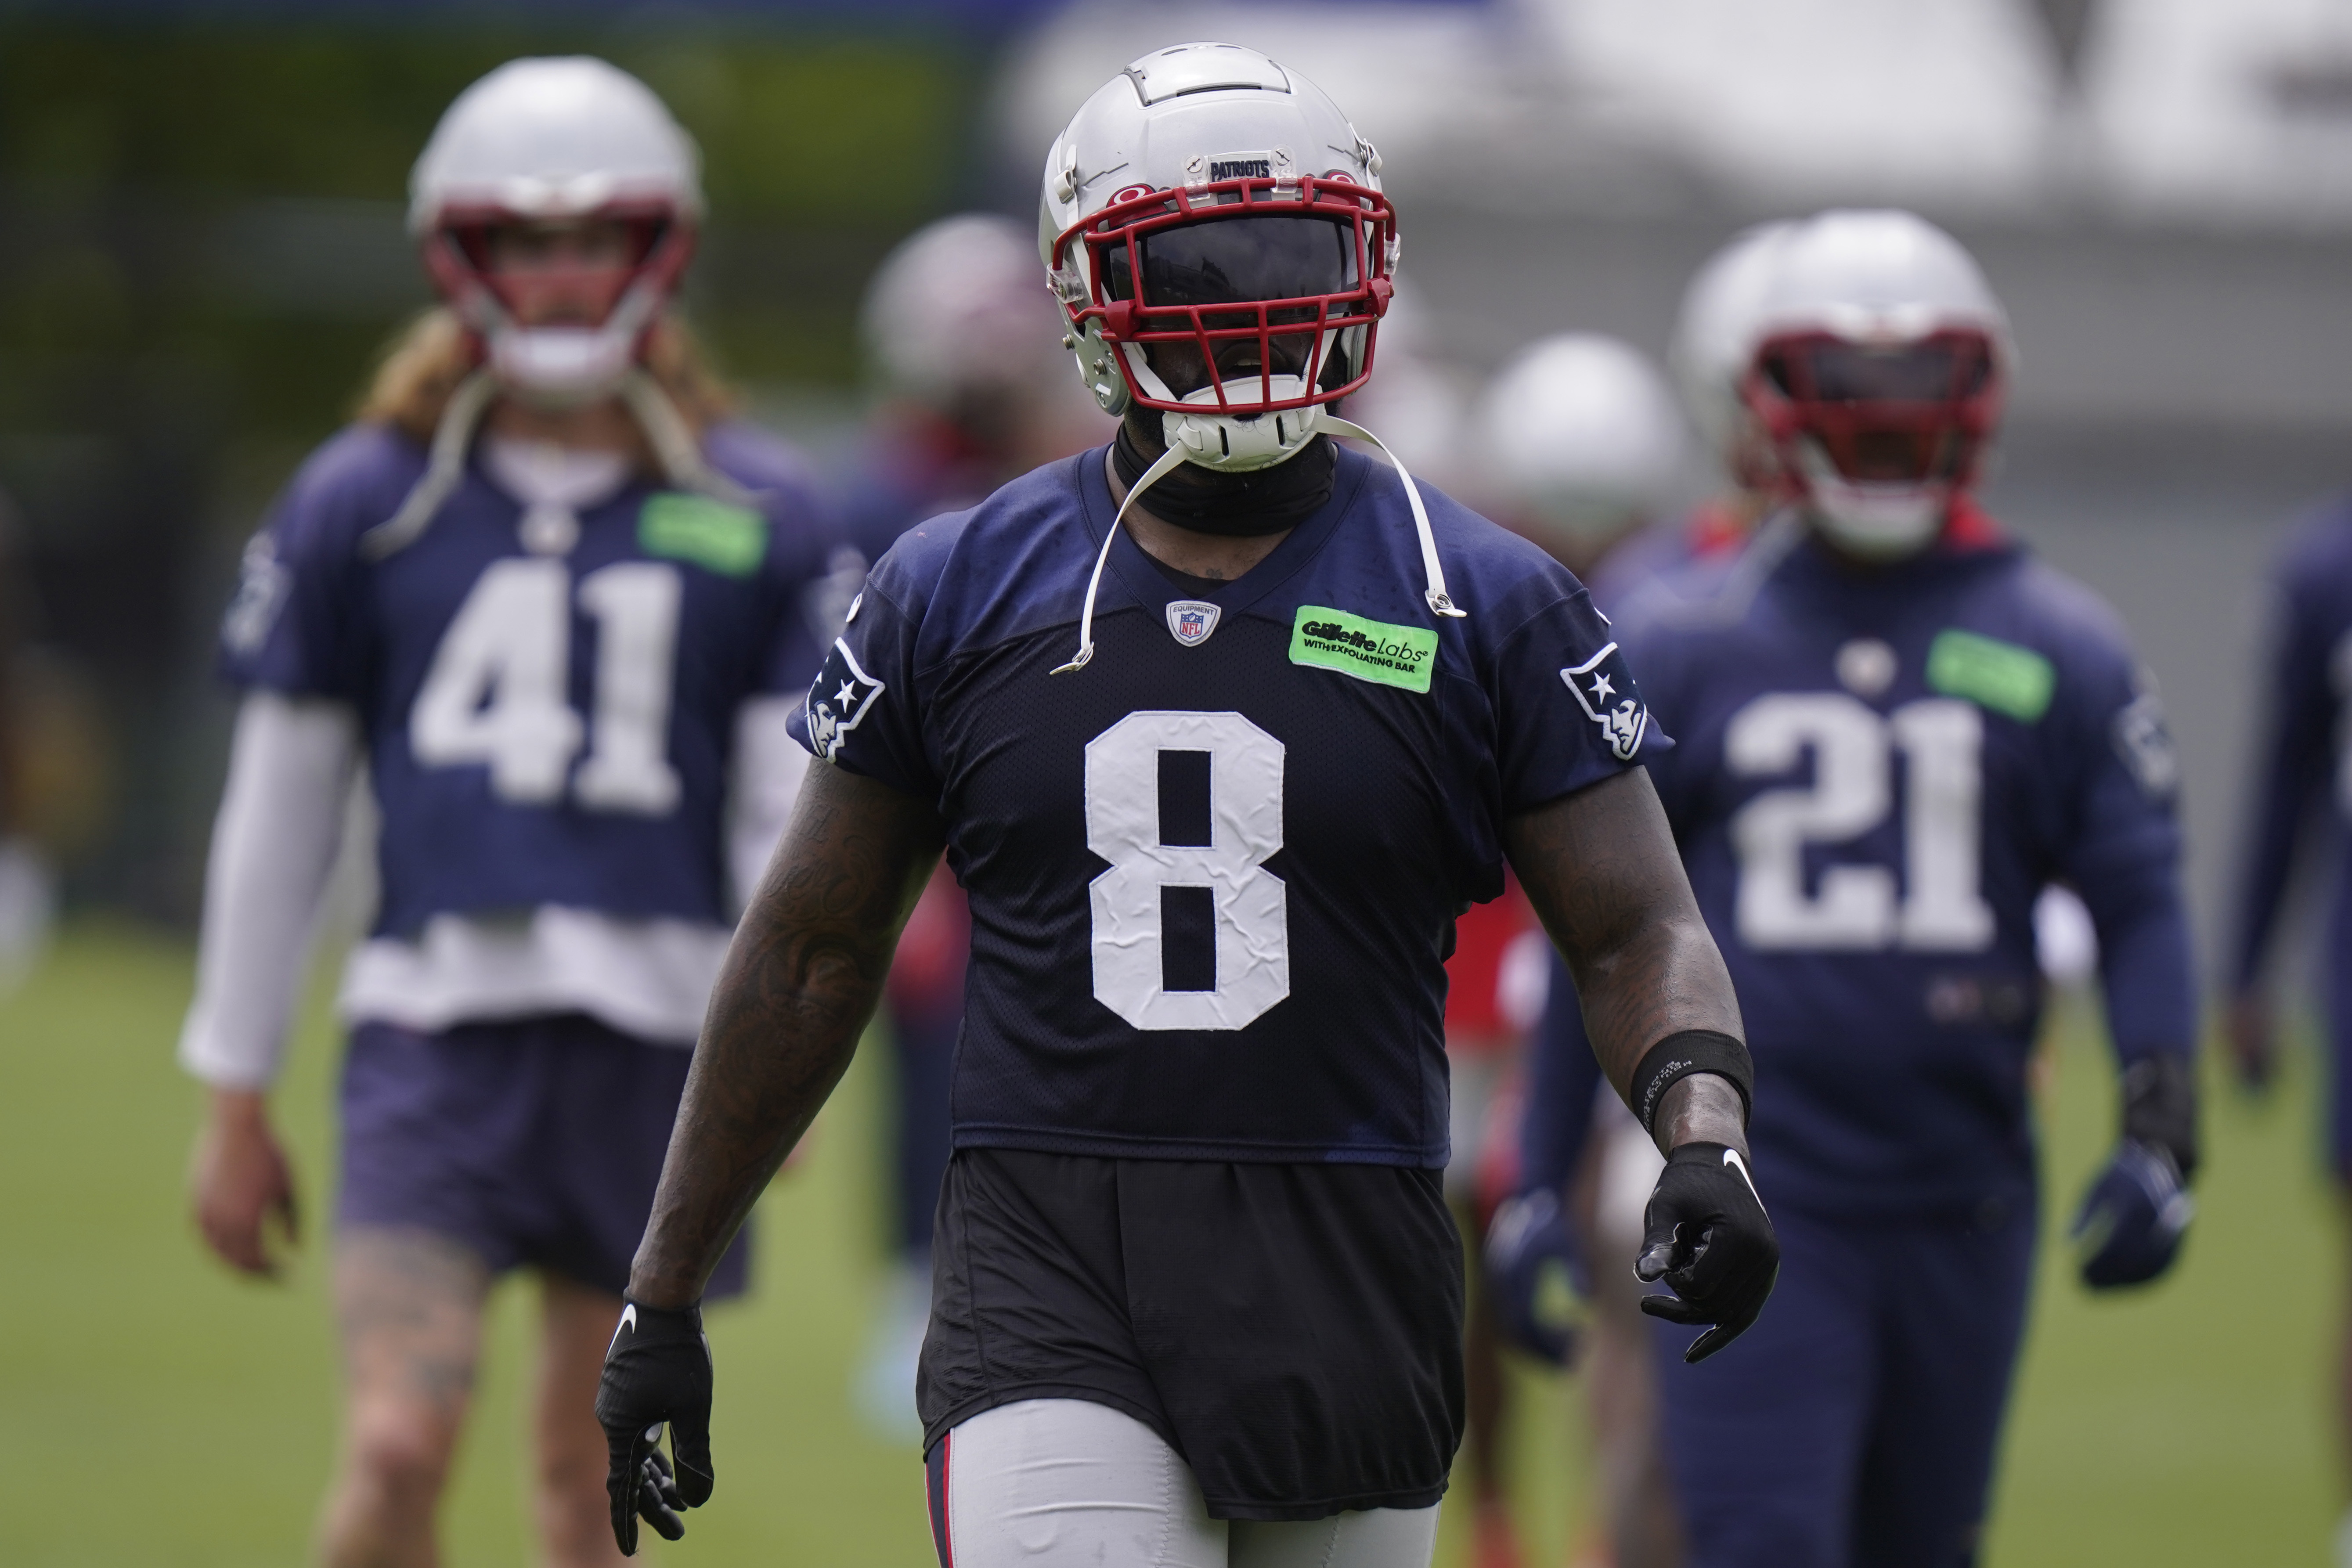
274,843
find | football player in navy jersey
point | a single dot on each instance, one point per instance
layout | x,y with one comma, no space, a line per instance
556,600
2305,780
1220,727
973,391
1894,728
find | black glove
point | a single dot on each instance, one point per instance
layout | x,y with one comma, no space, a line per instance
2132,1220
1707,1236
656,1374
1534,1275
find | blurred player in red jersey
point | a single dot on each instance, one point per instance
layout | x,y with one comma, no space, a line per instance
972,391
1494,993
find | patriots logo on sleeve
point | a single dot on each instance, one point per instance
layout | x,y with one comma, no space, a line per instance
1604,688
261,593
839,701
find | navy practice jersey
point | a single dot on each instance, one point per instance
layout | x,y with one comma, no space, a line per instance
542,728
1213,873
2307,727
1878,771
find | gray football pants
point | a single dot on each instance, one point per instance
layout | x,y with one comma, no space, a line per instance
1056,1483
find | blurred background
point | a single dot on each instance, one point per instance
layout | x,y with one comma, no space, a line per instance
201,249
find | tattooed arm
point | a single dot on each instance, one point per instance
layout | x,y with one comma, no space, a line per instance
1602,870
800,982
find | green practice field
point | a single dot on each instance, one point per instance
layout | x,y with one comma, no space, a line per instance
154,1411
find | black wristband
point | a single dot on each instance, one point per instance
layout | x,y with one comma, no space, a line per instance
2159,1096
1677,1057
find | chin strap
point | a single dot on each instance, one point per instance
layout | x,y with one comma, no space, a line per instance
1435,592
674,447
1439,601
443,469
1162,467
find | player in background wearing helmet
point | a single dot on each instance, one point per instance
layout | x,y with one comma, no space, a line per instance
553,594
973,391
1221,728
1894,728
1584,448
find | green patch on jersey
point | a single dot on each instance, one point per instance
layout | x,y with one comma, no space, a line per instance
727,540
1992,674
1377,651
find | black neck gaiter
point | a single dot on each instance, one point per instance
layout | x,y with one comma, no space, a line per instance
1237,506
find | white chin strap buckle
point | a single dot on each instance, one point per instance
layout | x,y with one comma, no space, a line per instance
1238,442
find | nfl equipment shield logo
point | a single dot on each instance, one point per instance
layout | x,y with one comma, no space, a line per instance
1190,621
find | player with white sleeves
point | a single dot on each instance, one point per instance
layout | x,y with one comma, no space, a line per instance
1220,727
554,601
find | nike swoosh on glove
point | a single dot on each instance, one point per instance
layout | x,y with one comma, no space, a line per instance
2133,1218
656,1374
1536,1276
1707,1236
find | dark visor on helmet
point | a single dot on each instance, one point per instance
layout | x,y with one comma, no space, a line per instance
1826,370
1237,261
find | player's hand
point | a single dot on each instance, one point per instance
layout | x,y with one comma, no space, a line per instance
1536,1276
2253,1040
656,1374
238,1180
1707,1236
2133,1218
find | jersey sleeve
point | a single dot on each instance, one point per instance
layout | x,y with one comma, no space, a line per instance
296,623
1567,709
2121,852
1563,1076
2297,727
861,712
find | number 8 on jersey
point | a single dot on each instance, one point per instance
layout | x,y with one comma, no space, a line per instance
1132,902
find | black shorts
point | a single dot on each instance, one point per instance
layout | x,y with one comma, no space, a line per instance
1294,1331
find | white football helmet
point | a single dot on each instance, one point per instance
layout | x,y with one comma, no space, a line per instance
1207,199
1881,361
556,138
1211,215
957,311
1581,437
1713,344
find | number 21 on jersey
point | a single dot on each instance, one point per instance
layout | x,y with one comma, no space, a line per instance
496,693
1940,906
